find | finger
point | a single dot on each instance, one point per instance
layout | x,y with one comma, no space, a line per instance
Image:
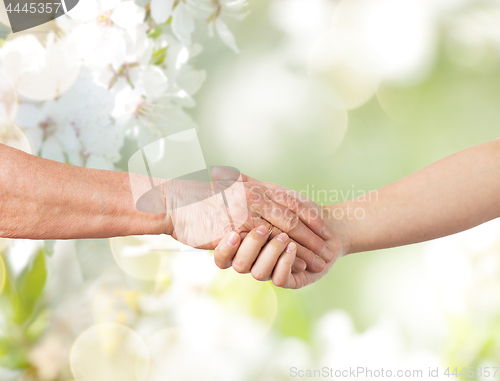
313,262
249,249
264,265
226,250
290,223
225,174
311,216
286,197
298,265
282,275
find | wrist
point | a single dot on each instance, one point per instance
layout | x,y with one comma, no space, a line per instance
336,216
152,199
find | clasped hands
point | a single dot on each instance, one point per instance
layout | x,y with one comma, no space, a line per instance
272,232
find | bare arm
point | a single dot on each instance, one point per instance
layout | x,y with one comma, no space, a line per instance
449,196
44,199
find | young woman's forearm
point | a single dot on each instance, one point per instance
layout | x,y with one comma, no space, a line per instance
44,199
449,196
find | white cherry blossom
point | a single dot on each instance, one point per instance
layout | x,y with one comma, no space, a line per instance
101,38
161,10
184,12
76,128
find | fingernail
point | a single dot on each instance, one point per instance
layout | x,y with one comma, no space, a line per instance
291,247
232,240
327,232
282,237
262,230
327,254
298,266
319,263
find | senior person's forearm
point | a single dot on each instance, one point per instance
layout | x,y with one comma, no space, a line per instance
447,197
44,199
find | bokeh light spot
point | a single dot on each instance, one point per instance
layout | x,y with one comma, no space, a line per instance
13,136
145,257
342,58
173,357
243,294
109,352
399,103
264,108
8,98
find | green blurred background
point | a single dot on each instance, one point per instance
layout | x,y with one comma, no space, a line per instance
440,300
454,107
399,130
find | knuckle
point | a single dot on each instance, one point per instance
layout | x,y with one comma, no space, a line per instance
218,263
266,195
222,255
240,267
292,202
316,244
253,194
259,275
279,281
305,254
292,222
250,196
221,265
220,259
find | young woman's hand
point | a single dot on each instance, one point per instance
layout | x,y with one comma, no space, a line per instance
265,257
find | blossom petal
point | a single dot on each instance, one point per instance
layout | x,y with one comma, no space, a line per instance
84,10
155,81
99,46
225,34
182,24
128,15
191,80
161,10
21,252
52,150
108,4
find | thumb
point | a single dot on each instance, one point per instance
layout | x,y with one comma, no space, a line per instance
230,173
226,250
225,174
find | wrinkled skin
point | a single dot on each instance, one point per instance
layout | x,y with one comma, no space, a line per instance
197,215
306,209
